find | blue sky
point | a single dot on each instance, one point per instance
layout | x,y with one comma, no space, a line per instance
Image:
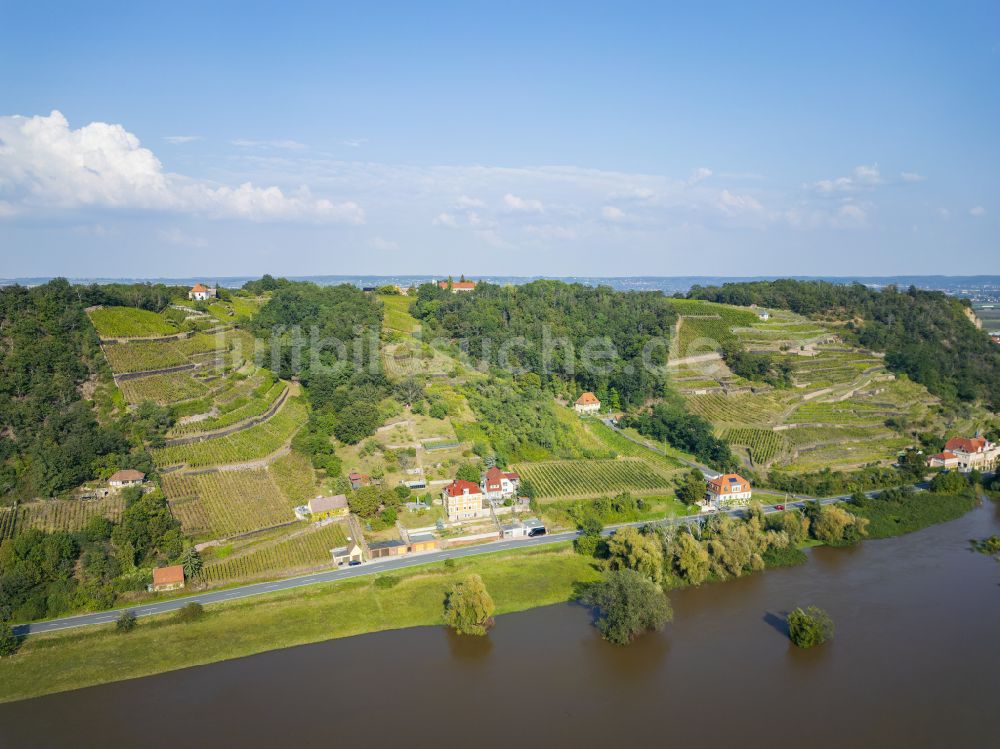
499,138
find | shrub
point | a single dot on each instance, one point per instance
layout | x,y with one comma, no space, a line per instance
809,627
384,582
126,622
468,607
9,642
190,612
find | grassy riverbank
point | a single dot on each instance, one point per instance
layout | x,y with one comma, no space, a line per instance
891,517
95,655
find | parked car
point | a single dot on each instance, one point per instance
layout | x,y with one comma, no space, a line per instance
779,507
354,563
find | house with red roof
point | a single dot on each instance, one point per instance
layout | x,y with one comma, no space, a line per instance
200,293
463,500
587,404
970,453
128,477
943,459
497,484
457,286
168,578
728,489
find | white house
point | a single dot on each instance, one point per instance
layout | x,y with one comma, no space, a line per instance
587,404
763,315
976,453
200,293
728,489
497,484
128,477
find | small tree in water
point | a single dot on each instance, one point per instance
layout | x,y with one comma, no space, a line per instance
809,627
468,607
629,604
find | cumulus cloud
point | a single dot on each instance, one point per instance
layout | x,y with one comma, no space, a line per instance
700,175
733,204
977,211
46,166
613,213
522,205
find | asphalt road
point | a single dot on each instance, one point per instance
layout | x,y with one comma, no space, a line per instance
345,573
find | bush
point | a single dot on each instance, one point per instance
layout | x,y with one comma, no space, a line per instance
384,582
126,622
468,607
190,612
587,545
809,627
9,642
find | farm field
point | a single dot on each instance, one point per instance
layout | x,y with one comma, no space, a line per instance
130,322
255,443
232,347
226,503
307,549
762,444
563,479
235,410
51,515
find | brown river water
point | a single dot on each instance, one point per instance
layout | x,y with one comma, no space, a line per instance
915,663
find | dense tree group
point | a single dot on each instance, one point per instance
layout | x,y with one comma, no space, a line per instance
553,328
926,334
670,423
50,438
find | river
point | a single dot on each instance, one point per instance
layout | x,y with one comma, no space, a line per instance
915,663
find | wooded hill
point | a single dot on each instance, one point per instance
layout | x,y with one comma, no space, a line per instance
926,335
491,317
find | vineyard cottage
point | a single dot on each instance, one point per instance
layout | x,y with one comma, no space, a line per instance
328,507
168,578
587,404
200,293
128,477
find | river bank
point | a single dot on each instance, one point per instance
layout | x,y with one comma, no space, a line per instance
912,663
517,580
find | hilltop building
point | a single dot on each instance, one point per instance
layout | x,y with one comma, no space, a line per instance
200,293
728,489
457,286
587,404
328,507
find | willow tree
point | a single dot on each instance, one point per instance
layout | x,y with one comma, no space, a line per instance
468,607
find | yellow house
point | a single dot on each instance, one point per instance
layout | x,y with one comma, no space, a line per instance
328,507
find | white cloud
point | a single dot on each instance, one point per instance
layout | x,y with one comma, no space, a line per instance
178,139
733,204
863,177
287,145
977,211
45,166
700,175
522,205
382,244
446,219
911,177
354,142
613,213
464,201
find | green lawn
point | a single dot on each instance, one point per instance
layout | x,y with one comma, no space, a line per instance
517,580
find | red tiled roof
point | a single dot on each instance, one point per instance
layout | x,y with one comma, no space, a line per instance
198,287
729,480
457,488
587,399
457,284
965,444
512,476
168,575
127,475
945,455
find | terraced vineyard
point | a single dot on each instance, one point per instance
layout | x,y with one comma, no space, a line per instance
130,322
236,410
295,477
255,443
762,444
227,503
311,549
566,479
758,408
164,389
232,346
51,515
